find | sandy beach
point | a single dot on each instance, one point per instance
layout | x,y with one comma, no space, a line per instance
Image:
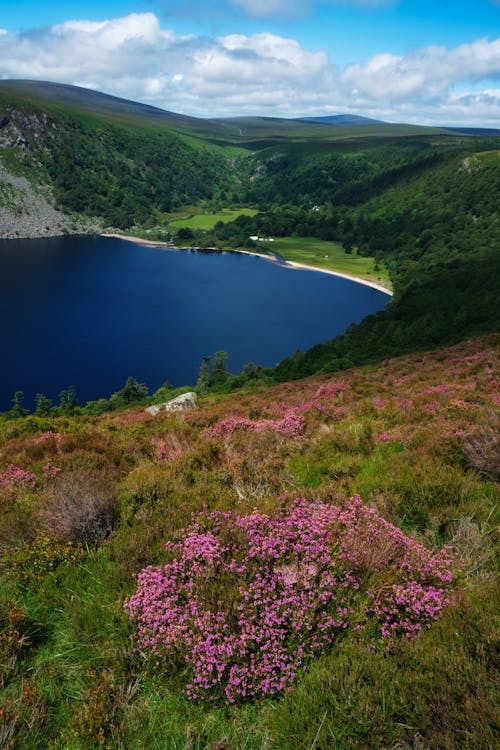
289,263
366,282
137,240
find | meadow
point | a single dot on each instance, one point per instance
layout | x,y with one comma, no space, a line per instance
330,256
192,218
353,516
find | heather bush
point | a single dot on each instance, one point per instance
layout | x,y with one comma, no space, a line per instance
13,638
79,506
482,448
31,563
246,601
14,477
96,723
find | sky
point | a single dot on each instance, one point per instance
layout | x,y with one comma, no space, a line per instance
433,62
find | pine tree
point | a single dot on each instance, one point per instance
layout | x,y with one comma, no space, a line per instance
220,372
43,405
18,410
203,382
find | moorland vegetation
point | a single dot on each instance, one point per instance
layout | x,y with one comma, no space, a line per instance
315,560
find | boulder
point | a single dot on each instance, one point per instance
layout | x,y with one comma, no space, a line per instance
184,402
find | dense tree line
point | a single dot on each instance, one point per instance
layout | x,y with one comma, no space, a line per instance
128,176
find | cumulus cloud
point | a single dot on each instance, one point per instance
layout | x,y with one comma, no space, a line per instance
264,73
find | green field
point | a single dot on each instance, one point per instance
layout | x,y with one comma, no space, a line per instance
207,221
327,255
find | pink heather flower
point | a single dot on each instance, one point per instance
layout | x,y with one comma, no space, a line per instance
327,390
246,601
290,425
47,437
387,437
50,471
14,476
379,404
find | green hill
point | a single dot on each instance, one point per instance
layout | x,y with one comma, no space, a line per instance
378,633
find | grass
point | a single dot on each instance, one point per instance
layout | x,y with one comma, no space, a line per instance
329,256
396,432
191,217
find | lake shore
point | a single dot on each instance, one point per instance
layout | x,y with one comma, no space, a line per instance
286,263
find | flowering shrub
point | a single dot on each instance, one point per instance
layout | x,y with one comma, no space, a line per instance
291,425
50,471
387,437
32,563
247,601
49,437
14,476
327,390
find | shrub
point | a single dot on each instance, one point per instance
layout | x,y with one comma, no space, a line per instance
33,562
482,450
14,477
248,600
79,506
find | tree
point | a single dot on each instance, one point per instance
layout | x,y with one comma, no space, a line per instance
43,405
133,391
219,372
18,410
68,401
203,381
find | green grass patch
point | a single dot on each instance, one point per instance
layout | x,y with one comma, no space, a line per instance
190,219
328,256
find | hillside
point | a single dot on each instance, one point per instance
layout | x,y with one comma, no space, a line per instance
389,639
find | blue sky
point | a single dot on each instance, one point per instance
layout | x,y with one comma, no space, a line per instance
401,60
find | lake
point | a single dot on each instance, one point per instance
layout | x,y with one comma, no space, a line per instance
90,311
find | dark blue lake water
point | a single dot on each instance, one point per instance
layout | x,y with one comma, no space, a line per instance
91,311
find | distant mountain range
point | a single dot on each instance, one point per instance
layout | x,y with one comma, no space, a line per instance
242,130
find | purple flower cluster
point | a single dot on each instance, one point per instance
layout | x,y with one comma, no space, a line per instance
247,600
14,476
48,437
290,425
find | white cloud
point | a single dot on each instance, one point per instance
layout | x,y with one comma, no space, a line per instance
423,74
134,57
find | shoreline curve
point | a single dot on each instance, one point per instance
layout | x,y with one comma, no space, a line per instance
286,263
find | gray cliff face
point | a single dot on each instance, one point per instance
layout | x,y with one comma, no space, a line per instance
19,129
27,206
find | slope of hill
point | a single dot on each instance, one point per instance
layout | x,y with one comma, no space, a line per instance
399,650
346,119
239,130
125,111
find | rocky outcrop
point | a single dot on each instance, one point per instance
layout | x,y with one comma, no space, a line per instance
26,204
19,128
185,402
27,210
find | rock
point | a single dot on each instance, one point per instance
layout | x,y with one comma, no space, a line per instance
185,402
